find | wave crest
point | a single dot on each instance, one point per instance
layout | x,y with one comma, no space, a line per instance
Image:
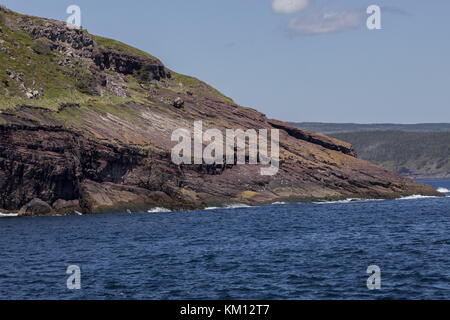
8,215
230,206
415,197
159,210
348,200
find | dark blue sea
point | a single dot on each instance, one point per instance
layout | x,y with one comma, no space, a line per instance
279,251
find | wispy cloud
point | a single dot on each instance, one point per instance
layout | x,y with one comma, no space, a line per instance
313,20
320,22
289,6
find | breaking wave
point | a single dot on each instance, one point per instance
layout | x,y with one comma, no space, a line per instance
237,206
443,190
159,210
8,215
349,200
230,206
415,197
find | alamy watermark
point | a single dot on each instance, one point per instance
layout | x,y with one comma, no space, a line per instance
229,149
374,281
74,20
374,20
74,280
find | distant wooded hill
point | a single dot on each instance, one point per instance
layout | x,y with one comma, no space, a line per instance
352,127
418,150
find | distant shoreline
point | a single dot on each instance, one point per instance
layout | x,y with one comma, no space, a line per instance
328,128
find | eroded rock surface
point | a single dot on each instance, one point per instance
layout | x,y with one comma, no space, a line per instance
35,207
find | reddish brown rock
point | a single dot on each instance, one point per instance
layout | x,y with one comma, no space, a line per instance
66,206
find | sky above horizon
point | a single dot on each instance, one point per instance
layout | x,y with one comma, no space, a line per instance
294,60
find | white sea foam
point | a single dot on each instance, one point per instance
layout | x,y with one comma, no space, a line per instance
8,215
159,210
443,190
237,206
229,206
348,200
415,197
278,203
337,201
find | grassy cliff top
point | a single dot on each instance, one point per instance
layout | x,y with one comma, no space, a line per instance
45,64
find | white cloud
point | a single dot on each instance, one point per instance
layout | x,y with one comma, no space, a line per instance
289,6
326,22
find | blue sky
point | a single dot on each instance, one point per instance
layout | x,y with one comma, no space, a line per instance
295,60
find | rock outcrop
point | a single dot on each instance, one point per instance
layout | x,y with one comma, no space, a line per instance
97,137
146,68
35,207
66,207
178,103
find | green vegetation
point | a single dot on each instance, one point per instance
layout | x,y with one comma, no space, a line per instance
32,65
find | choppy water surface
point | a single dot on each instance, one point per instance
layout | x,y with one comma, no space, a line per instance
280,251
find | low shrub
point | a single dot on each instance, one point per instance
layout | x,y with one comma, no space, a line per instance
42,46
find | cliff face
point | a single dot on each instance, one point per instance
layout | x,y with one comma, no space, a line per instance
86,125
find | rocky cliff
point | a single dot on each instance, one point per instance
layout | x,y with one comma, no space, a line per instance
86,124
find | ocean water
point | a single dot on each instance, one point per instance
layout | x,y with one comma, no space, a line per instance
279,251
